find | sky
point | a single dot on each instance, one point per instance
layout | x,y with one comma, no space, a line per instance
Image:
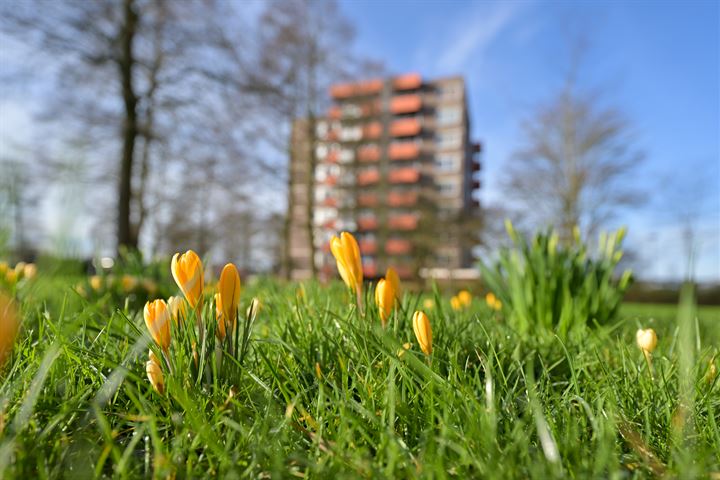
656,61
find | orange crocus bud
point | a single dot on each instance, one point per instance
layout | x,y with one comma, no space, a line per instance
155,374
229,292
157,319
177,308
423,331
455,303
347,255
187,270
646,339
392,277
385,299
8,327
465,298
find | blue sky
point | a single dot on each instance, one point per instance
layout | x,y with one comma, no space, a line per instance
657,61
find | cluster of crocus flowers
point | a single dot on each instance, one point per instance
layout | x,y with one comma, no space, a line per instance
20,271
461,301
346,251
387,294
493,302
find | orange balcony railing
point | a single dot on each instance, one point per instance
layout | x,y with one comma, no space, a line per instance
372,130
335,112
369,153
368,200
402,199
405,128
330,202
347,90
409,81
396,246
333,156
405,104
406,221
370,269
367,223
329,180
404,175
368,178
368,247
403,151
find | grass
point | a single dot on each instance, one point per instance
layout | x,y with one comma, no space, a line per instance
325,393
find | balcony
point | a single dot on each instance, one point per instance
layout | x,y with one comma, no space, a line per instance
475,166
368,247
406,221
333,156
396,246
368,177
348,90
334,112
404,175
367,223
407,127
372,130
370,269
330,202
329,180
476,183
402,199
369,153
368,200
403,151
405,104
409,81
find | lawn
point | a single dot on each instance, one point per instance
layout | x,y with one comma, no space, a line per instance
324,391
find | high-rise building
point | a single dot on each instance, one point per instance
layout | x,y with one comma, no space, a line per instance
392,163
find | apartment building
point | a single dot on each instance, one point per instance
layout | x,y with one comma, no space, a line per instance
393,163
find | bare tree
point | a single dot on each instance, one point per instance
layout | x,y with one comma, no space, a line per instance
572,169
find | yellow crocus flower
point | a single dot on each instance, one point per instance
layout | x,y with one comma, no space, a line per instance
157,319
455,303
30,271
8,327
177,308
392,277
385,299
647,340
96,282
229,291
347,255
423,331
465,298
155,374
187,270
493,302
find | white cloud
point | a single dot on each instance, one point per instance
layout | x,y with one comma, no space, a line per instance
475,33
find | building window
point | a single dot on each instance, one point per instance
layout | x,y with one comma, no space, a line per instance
451,90
321,129
351,134
447,162
447,187
449,115
346,156
449,139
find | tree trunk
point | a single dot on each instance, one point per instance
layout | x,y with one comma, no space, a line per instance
126,237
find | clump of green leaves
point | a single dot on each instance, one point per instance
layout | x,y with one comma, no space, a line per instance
548,288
